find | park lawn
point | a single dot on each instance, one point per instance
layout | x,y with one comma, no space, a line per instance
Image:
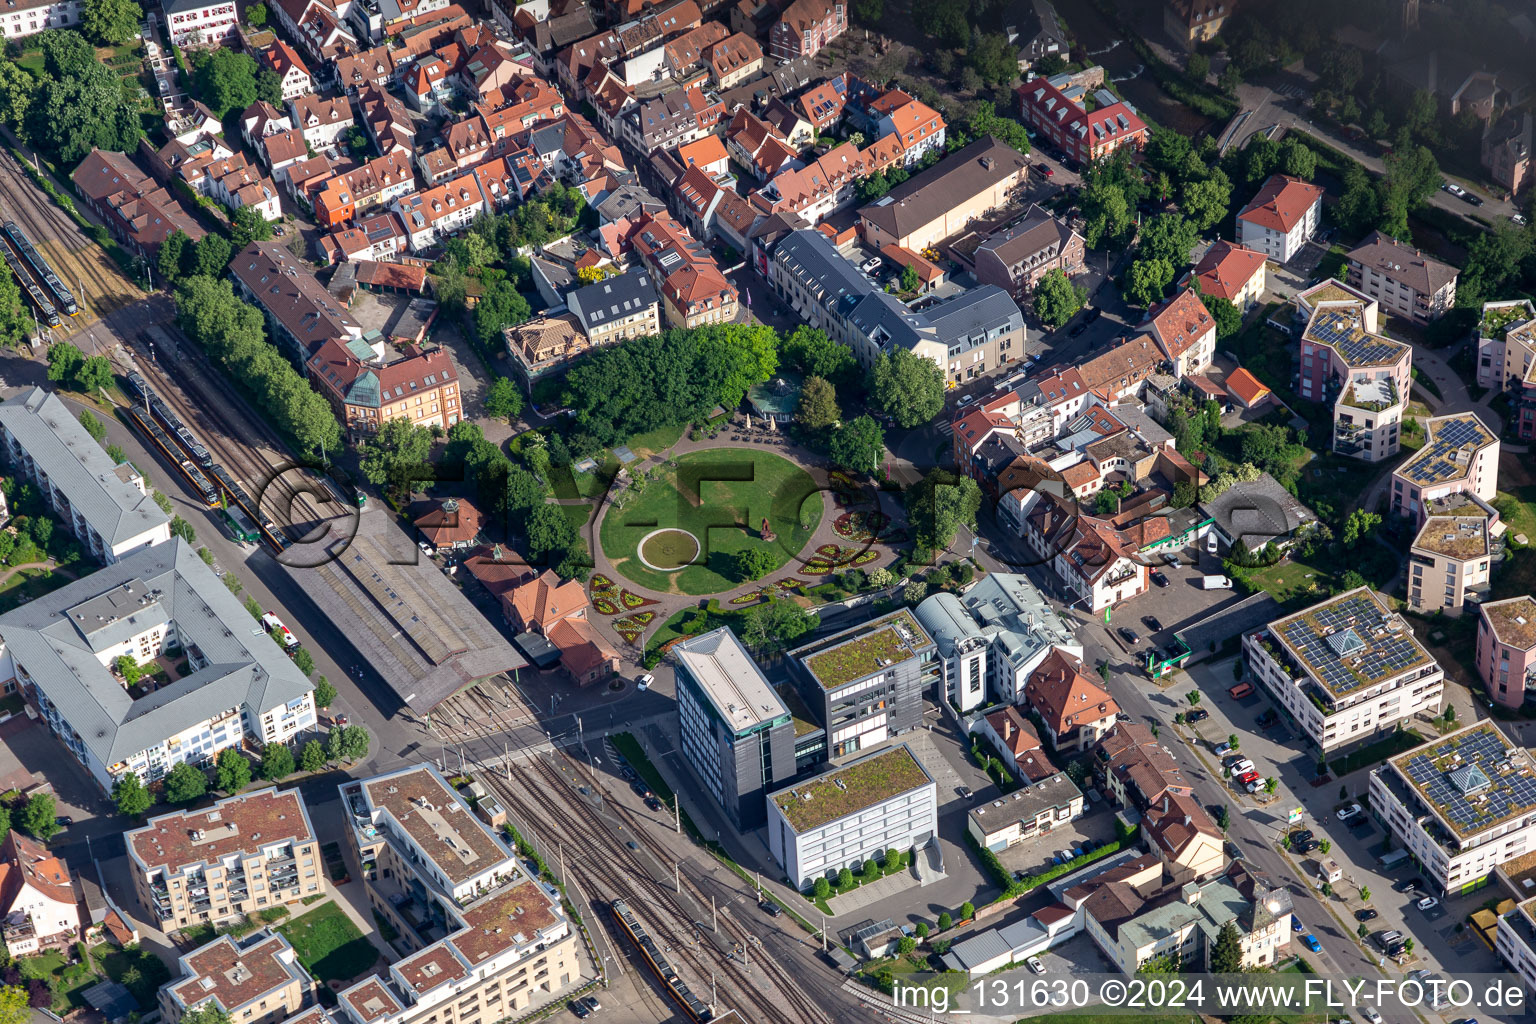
329,945
1293,584
654,442
1516,499
579,515
721,496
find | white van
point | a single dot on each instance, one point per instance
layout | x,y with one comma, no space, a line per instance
1215,583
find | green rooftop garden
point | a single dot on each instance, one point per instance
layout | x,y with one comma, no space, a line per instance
864,655
1497,320
863,784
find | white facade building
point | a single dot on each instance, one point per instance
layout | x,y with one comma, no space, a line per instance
104,504
29,18
883,801
1347,670
1281,218
199,23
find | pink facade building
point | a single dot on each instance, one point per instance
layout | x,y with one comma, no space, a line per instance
1460,456
1362,374
1506,649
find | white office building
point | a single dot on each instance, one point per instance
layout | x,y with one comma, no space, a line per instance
883,801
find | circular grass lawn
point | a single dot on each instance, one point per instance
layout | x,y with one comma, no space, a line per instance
720,497
669,549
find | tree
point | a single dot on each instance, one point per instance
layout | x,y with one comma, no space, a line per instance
347,743
775,625
80,109
754,563
256,15
1184,494
1365,893
909,279
945,921
185,783
868,12
207,1013
130,796
183,529
503,400
1297,160
816,355
1193,696
312,757
1229,320
397,455
1168,237
500,306
1271,784
967,910
37,817
1106,503
110,22
1359,526
64,361
1359,207
1198,66
212,255
906,945
1205,202
128,668
817,410
14,1005
1106,215
1147,280
94,373
1232,741
224,79
907,387
276,762
1227,951
939,505
1223,817
921,929
821,889
233,770
304,661
844,880
1057,299
859,445
1323,846
549,532
325,693
247,225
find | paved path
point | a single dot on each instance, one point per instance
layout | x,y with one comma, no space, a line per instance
733,436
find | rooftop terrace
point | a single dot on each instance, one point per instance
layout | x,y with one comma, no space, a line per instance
851,788
438,821
1350,642
1497,317
239,824
1473,779
864,650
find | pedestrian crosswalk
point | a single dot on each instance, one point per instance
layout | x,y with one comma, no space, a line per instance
1294,92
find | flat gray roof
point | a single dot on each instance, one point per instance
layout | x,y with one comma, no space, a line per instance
59,638
730,679
79,467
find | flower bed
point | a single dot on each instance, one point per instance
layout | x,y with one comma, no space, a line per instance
611,599
861,526
630,627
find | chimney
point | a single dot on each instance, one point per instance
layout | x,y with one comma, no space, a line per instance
1007,728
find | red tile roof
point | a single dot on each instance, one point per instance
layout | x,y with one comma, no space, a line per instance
1181,323
1281,203
1065,697
1245,387
1226,268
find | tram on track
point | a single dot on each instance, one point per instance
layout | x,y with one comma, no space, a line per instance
17,239
194,476
694,1008
46,311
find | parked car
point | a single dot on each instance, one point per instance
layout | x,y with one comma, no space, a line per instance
1224,748
652,803
1242,768
965,793
1035,965
1044,170
1210,543
591,1003
1388,938
1254,786
1468,197
1365,915
1121,716
63,821
644,682
1215,583
1427,904
1158,579
1296,925
1301,835
1152,622
1304,847
1407,885
1196,715
1171,558
1370,1015
579,1010
871,265
1310,941
771,908
1128,635
1517,219
1347,813
1453,188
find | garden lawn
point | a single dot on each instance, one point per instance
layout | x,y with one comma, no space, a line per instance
1394,744
329,945
721,496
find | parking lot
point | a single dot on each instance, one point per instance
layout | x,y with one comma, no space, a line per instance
1182,602
1035,854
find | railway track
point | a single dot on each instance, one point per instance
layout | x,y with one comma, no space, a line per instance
599,865
255,465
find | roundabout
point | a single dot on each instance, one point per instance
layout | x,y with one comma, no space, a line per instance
669,549
680,530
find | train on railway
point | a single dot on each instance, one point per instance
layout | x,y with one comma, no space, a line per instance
17,239
694,1008
194,476
46,311
170,422
236,498
239,524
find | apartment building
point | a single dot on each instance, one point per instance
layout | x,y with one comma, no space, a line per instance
321,120
1506,649
882,801
1185,333
433,215
1404,280
256,979
1032,811
1281,217
1515,942
865,684
693,290
941,201
39,902
1016,257
489,940
140,213
300,313
1232,272
735,731
805,27
58,651
191,23
1507,149
1364,375
240,856
284,61
106,505
1506,343
1192,22
1058,108
1138,770
1460,456
992,637
367,387
1097,561
29,17
617,308
1346,670
1181,832
1074,710
1450,562
544,345
377,182
1461,805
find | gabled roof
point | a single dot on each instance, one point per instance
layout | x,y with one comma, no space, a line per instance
1244,386
545,600
1404,264
1065,696
24,861
1226,268
953,181
1281,203
1180,324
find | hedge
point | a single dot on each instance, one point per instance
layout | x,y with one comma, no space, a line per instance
1015,887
